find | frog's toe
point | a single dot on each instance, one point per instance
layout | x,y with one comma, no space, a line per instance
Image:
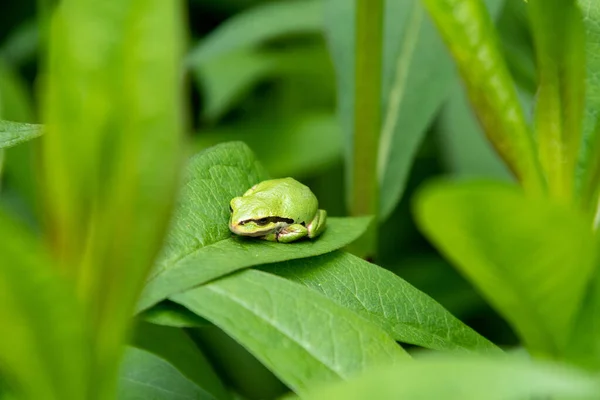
318,224
292,233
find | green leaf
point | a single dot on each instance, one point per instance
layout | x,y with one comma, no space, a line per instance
112,107
176,347
200,246
225,80
413,58
230,254
464,147
559,38
470,36
167,313
43,347
464,378
588,171
531,258
13,133
303,337
257,25
145,376
405,313
305,144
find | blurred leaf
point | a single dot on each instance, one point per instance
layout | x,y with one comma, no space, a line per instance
13,133
532,259
469,33
414,58
167,313
588,172
226,79
559,37
15,101
177,348
43,347
22,44
200,246
464,378
305,144
145,376
405,313
583,348
257,25
303,337
515,36
464,146
112,107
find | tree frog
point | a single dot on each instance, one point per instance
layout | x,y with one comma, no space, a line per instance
278,210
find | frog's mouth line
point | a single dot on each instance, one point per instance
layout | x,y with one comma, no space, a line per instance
261,226
268,220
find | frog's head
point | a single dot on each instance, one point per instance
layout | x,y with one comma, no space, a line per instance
251,217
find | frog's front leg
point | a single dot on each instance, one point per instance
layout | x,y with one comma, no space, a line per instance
317,225
288,234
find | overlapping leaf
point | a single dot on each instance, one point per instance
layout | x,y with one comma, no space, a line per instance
531,258
200,246
407,314
303,337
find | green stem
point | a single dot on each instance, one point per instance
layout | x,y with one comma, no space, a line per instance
367,117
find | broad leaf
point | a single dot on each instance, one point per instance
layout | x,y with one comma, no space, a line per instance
405,313
176,347
43,346
147,376
13,133
469,34
305,143
559,37
303,337
200,246
529,257
465,378
251,28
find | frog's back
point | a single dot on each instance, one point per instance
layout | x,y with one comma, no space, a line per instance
293,198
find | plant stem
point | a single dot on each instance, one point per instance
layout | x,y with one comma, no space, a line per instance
367,117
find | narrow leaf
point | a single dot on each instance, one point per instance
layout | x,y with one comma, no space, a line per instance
532,259
413,57
588,173
13,133
469,34
200,246
294,152
303,337
112,107
167,313
147,376
559,38
465,378
407,314
258,24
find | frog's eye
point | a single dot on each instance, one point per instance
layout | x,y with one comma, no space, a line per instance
262,221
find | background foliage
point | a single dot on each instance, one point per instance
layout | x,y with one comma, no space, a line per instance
126,127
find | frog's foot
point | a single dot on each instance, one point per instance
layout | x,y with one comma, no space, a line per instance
288,234
318,224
